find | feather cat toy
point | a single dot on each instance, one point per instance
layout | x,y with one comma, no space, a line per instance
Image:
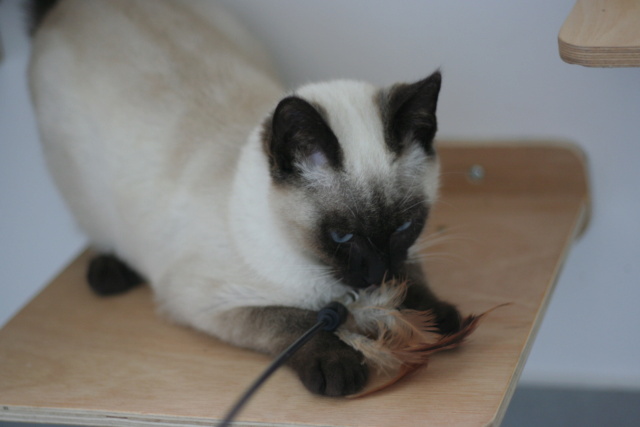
394,340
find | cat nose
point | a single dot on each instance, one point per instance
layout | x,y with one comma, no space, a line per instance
376,272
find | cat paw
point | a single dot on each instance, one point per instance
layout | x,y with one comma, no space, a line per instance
107,275
330,367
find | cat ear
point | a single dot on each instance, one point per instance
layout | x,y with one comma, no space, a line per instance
410,113
300,139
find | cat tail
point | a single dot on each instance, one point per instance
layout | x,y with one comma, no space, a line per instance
36,11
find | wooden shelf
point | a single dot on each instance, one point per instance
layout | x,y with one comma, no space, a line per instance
602,33
503,233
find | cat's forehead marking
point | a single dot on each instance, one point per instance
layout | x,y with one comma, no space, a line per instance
351,110
354,113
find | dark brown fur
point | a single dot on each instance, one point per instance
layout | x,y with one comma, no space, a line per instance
36,11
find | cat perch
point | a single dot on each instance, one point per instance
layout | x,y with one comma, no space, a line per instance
602,33
507,217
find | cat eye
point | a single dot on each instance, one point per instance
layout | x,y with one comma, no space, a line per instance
404,226
341,238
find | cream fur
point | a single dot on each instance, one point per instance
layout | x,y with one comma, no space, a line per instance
163,165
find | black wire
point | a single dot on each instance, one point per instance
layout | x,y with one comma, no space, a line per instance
270,370
329,318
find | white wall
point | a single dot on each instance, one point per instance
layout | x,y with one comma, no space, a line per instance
503,78
37,236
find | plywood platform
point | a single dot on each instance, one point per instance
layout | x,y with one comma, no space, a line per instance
508,215
602,33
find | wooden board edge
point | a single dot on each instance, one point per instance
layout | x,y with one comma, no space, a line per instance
598,57
578,229
592,56
21,414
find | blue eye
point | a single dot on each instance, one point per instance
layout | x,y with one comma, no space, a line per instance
404,226
341,238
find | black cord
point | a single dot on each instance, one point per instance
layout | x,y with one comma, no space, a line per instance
329,318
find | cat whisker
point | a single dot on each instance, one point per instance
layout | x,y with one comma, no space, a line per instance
407,195
437,256
408,208
430,241
353,214
445,203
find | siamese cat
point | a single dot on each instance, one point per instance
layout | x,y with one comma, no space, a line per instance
246,208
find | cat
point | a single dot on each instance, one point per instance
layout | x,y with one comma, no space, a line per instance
245,207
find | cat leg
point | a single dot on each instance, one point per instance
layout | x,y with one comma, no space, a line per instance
325,364
107,275
420,297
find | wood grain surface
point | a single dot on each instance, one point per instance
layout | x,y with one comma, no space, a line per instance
497,236
602,33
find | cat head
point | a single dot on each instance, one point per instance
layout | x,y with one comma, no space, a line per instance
354,172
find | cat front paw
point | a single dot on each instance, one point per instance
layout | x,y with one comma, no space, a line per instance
329,367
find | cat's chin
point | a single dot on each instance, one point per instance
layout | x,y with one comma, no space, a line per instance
360,283
366,286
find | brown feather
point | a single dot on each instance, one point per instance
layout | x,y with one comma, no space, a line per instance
397,341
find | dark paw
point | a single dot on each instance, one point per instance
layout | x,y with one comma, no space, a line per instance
448,318
329,367
107,275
